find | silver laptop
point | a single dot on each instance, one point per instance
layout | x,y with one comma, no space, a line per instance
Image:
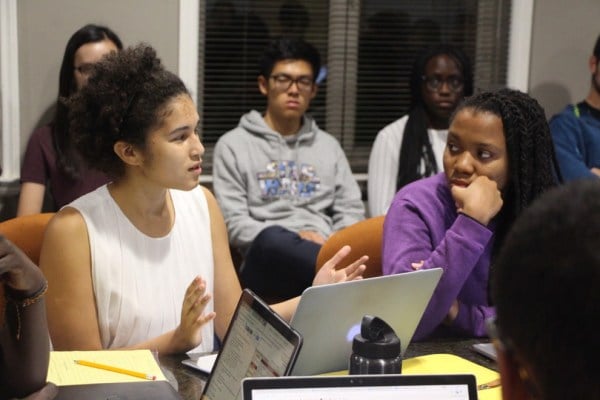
486,349
328,317
352,387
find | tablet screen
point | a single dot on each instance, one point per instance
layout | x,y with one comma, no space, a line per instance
258,343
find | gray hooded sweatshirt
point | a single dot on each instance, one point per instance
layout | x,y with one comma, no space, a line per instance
262,178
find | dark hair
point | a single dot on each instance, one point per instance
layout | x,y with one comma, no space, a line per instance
546,288
416,146
66,160
597,48
289,49
122,101
532,165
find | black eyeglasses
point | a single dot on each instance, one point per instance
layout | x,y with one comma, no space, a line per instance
434,83
283,82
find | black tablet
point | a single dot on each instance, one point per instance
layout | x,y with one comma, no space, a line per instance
258,343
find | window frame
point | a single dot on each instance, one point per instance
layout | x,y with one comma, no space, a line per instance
192,14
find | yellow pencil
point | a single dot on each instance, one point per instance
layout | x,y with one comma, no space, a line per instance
489,385
116,369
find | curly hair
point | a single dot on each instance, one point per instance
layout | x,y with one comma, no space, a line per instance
123,100
546,288
415,142
532,165
66,160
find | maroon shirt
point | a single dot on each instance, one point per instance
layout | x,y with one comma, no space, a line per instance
39,166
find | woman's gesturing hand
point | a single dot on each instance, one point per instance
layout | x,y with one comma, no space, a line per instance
188,334
329,274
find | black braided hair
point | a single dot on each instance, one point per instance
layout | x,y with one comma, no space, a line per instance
532,165
123,100
416,146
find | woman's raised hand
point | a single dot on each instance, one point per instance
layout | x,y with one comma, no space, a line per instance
188,334
329,274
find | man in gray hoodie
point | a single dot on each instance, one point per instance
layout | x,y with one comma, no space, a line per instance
283,184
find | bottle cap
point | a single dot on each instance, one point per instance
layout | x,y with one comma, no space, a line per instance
376,339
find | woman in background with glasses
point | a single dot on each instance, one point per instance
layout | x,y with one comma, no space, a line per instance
412,146
49,158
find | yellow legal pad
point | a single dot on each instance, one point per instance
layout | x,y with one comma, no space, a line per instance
449,364
64,371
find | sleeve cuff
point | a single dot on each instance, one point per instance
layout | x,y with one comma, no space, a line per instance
462,318
472,227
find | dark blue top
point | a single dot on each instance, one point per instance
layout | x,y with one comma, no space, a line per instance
576,135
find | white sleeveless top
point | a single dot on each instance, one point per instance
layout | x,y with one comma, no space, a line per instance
139,281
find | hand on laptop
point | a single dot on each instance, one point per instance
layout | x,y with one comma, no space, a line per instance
329,274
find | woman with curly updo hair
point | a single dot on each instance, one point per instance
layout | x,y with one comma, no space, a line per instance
499,157
136,263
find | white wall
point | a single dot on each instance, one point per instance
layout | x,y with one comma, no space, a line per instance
43,28
46,25
564,33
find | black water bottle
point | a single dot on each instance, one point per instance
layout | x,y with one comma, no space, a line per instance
376,350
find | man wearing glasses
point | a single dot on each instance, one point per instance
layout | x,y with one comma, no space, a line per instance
576,129
283,184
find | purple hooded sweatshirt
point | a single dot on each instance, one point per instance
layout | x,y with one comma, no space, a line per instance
422,225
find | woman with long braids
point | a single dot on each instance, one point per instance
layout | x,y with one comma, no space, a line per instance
411,147
499,157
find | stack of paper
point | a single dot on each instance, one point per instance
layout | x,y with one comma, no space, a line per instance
64,371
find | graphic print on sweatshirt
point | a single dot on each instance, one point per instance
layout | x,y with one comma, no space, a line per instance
287,180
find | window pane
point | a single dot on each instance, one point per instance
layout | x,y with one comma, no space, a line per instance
393,34
235,36
367,46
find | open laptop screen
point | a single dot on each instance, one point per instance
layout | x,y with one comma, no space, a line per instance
380,387
258,343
